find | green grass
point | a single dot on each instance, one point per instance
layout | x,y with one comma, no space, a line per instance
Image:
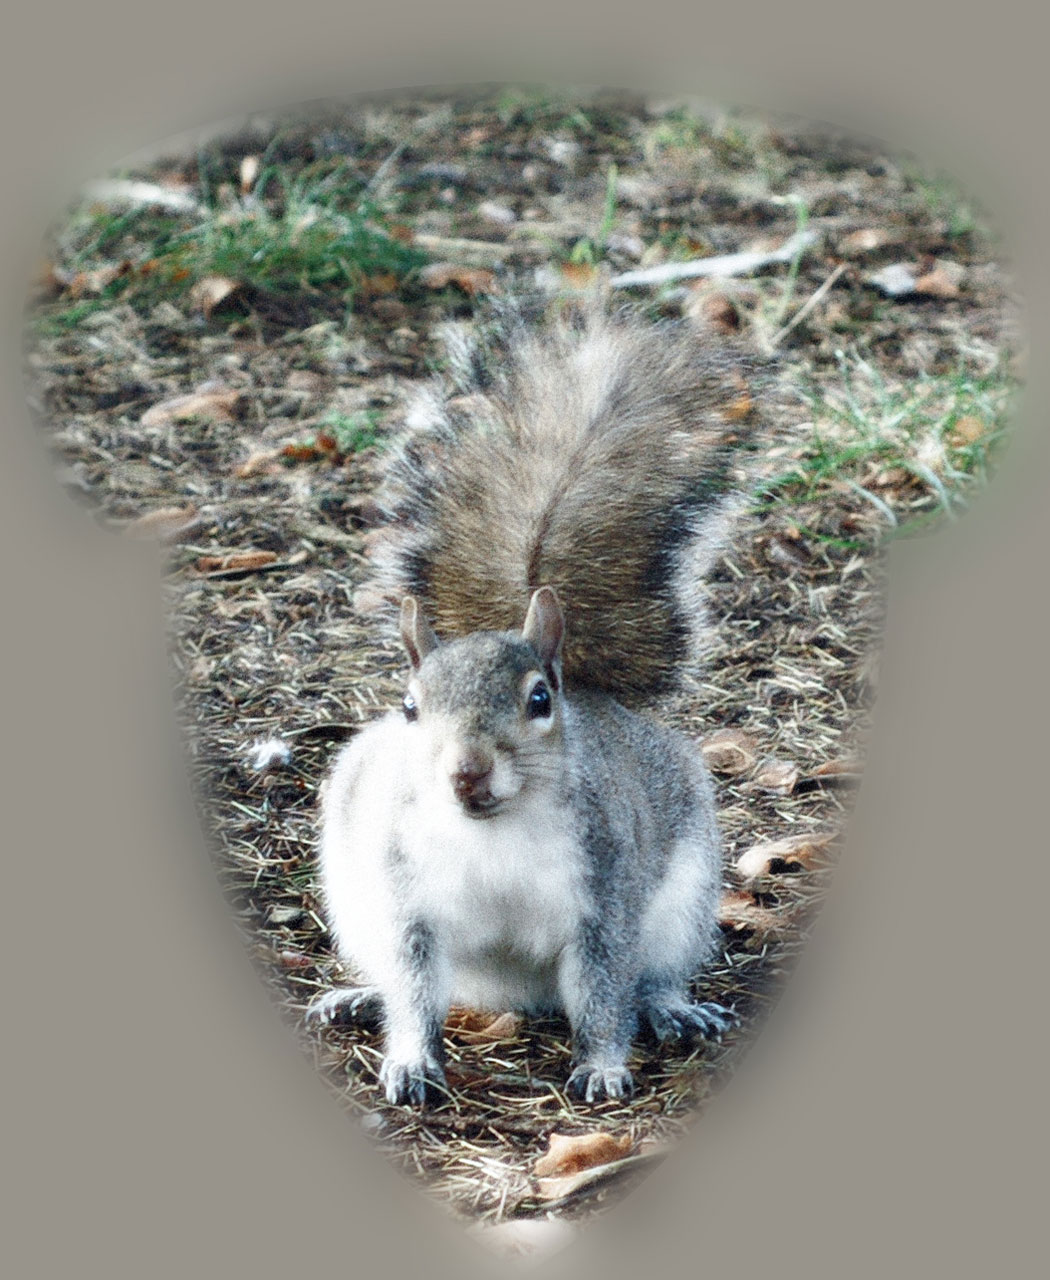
356,431
590,250
942,431
318,233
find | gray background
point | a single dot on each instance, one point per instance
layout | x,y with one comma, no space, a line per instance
159,1121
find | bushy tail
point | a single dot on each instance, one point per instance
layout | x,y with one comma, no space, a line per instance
594,455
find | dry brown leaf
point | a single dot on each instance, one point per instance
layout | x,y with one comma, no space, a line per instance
211,291
743,913
777,775
836,769
966,431
471,280
504,1027
166,524
729,751
719,311
461,1019
942,282
868,240
578,274
304,380
378,285
572,1153
218,406
739,409
262,462
792,851
94,282
236,561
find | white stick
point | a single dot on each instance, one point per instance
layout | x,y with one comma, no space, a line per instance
728,264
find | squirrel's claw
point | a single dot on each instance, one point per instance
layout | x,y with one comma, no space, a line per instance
415,1083
346,1006
680,1020
593,1084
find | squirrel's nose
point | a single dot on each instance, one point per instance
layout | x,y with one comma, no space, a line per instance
470,773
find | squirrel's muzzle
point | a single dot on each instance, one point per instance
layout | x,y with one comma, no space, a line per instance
471,780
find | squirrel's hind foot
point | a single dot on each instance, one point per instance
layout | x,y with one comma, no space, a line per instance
678,1019
346,1007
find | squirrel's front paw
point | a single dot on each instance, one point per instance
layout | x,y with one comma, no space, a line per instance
346,1006
593,1084
415,1083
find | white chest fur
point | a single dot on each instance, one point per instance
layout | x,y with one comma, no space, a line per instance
504,896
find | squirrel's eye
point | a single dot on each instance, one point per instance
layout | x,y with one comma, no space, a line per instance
408,705
539,702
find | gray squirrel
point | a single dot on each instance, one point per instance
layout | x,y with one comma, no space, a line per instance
514,836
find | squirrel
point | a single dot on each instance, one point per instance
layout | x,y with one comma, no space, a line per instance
518,834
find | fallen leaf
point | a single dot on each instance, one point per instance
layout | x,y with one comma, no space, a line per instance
304,380
742,912
216,406
729,751
504,1027
739,409
236,561
966,431
578,274
718,310
573,1153
471,280
211,291
381,283
791,852
166,524
94,282
260,463
868,240
942,281
779,776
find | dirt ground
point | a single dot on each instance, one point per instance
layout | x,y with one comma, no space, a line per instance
891,392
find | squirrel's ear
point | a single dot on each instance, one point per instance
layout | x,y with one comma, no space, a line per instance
416,633
544,626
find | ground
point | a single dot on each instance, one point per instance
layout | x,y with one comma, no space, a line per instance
220,358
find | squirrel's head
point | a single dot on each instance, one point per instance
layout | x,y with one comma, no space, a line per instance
487,707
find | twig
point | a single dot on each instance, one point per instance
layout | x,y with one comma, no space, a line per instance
728,264
807,307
